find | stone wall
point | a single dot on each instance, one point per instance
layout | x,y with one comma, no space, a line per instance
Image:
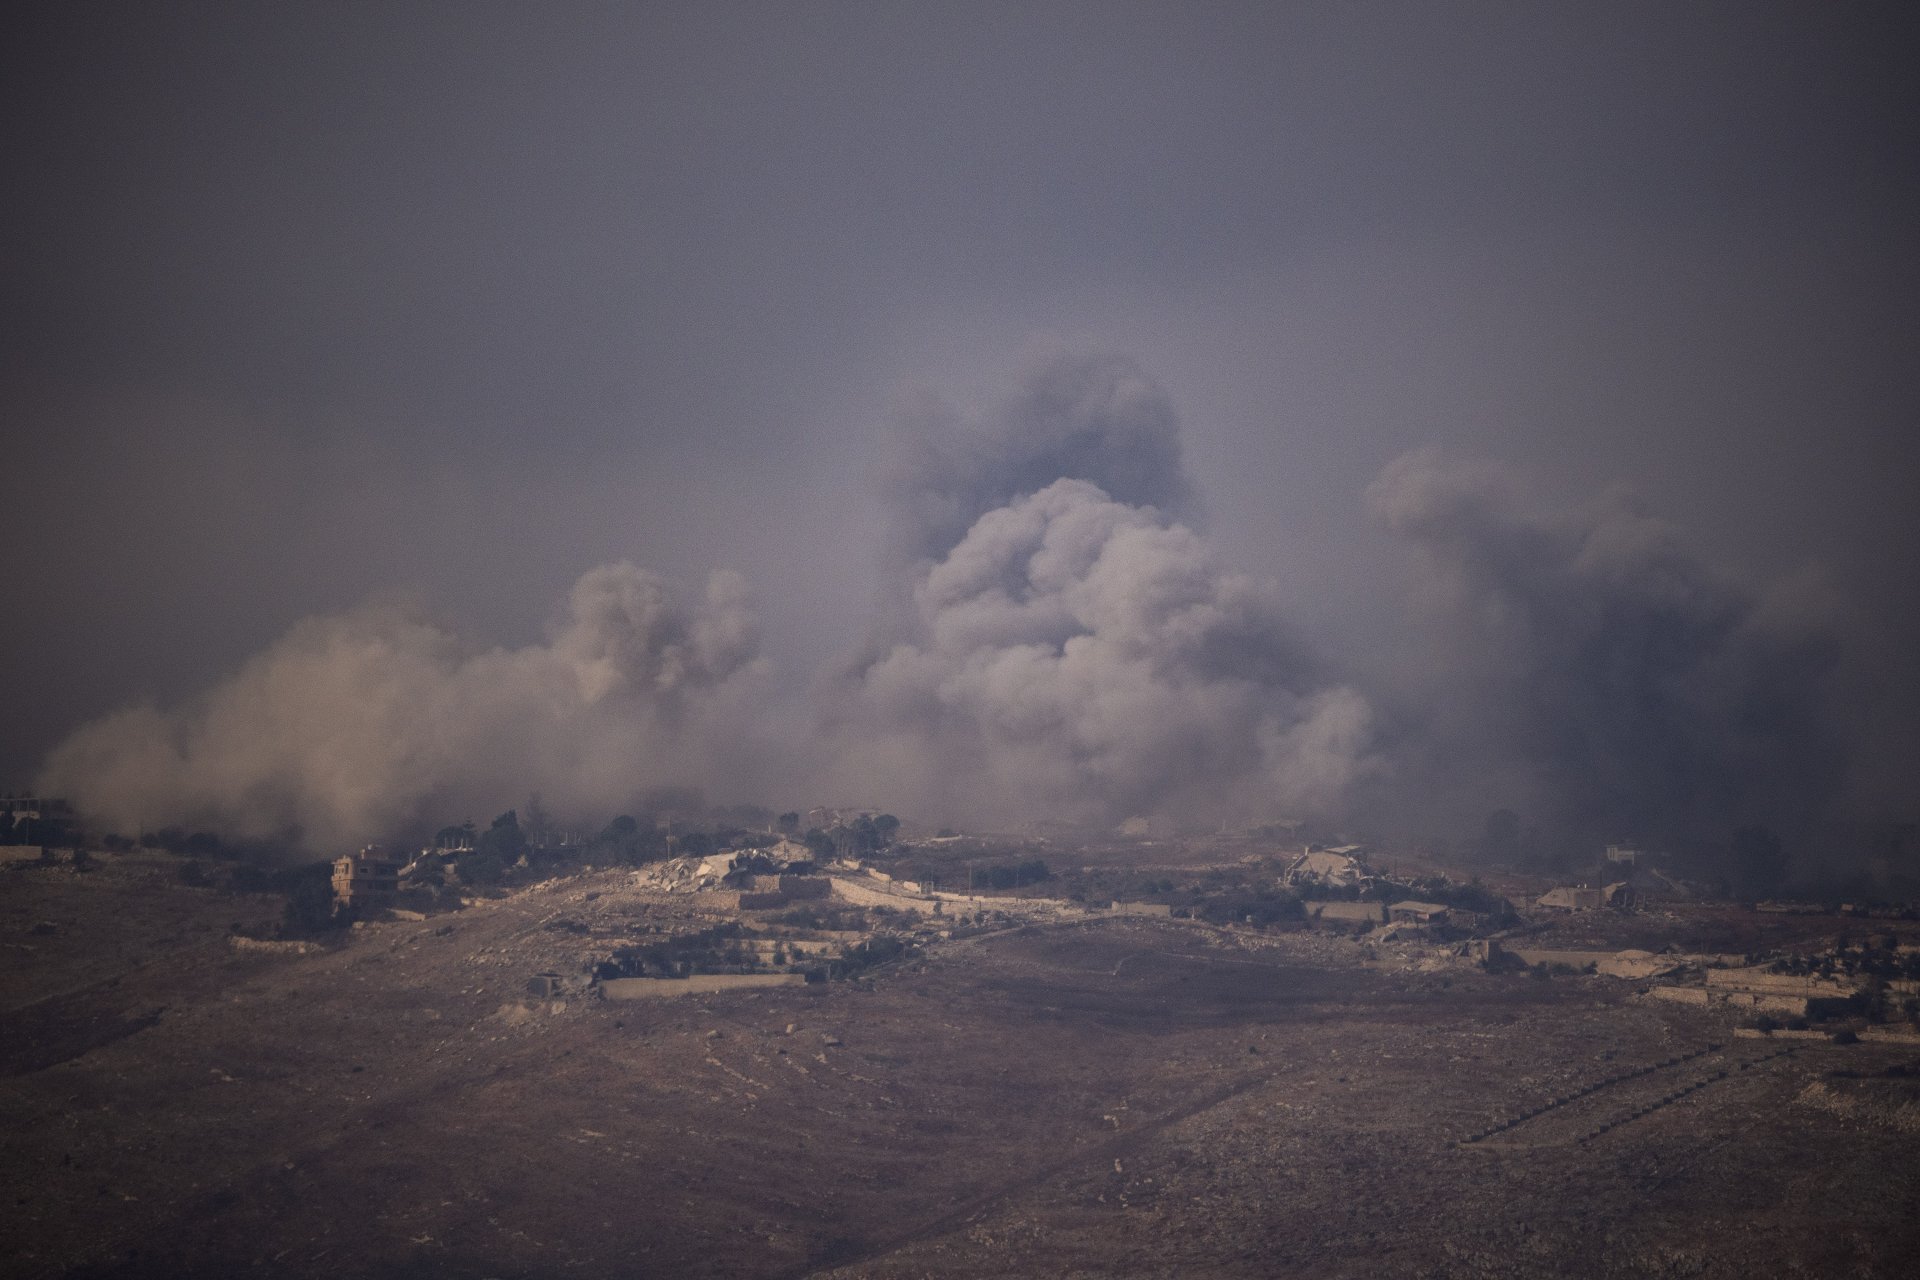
698,984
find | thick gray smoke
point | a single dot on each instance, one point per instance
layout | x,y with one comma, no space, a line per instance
1056,641
1071,651
353,726
1070,415
1591,670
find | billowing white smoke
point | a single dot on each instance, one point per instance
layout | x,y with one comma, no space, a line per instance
1595,672
352,726
1073,652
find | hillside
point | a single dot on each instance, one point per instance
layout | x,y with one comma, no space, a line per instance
1115,1097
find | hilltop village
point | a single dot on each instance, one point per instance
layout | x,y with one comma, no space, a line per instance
779,910
826,1043
676,907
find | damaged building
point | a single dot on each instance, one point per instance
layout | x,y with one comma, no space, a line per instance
1337,868
369,877
1618,896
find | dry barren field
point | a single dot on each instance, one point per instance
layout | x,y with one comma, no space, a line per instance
1123,1097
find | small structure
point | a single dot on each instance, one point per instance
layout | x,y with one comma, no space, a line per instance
29,824
369,876
1418,912
1621,854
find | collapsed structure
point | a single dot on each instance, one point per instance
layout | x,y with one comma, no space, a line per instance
1335,868
1620,896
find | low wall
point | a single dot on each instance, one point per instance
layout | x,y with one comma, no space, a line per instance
866,897
273,946
1348,912
1755,979
1758,1001
1572,959
698,984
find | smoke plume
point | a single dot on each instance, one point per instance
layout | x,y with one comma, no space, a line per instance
354,726
1069,650
1070,415
1591,669
1056,639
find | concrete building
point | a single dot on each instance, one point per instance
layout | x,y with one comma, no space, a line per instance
368,877
34,822
1418,912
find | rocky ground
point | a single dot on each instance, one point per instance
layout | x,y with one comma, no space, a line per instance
1122,1097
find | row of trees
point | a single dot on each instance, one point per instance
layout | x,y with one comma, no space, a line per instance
483,857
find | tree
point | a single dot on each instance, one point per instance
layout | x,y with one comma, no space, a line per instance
498,847
538,826
630,842
860,837
789,823
309,906
504,839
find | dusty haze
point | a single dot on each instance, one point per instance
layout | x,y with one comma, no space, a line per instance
1380,413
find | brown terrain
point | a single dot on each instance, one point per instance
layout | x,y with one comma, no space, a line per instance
1093,1097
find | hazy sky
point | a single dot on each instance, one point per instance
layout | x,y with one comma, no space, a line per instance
309,303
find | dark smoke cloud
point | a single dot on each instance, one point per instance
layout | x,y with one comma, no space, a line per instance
1065,647
1070,415
353,726
1592,670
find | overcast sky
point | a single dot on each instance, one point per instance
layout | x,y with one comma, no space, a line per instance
311,303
